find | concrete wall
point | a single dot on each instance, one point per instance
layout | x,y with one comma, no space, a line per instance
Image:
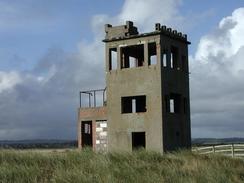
145,80
156,82
176,81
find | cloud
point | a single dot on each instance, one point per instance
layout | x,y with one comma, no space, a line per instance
146,13
217,72
42,102
8,80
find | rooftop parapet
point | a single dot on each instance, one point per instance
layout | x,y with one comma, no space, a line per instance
129,31
120,31
170,32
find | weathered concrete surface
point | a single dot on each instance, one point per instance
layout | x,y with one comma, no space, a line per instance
164,131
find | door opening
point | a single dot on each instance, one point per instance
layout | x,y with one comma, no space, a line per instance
138,140
86,133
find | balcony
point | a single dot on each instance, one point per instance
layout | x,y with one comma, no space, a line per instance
93,98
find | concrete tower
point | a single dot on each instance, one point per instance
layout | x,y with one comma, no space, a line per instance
147,93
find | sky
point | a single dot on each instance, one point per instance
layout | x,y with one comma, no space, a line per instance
50,50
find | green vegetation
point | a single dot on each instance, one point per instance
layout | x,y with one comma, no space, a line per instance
86,166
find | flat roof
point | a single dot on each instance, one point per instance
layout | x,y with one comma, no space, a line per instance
166,32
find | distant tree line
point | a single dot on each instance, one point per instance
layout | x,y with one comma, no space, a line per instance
36,144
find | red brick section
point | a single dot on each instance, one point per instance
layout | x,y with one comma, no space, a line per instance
90,114
94,135
93,113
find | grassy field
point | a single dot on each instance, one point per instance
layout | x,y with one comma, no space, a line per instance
86,166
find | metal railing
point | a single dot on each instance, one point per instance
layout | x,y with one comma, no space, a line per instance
90,98
233,150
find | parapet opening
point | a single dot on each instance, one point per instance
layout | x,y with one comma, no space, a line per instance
152,53
138,140
133,104
132,56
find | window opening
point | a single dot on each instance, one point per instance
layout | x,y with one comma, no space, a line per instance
133,104
113,59
164,58
132,56
86,133
138,140
152,53
173,103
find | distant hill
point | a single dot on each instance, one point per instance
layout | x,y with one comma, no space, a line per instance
38,143
209,141
52,143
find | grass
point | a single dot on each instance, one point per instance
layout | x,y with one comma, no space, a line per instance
87,166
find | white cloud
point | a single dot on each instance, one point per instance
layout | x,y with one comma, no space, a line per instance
46,99
217,80
145,13
8,80
227,39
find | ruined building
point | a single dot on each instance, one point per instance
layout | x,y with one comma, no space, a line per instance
146,99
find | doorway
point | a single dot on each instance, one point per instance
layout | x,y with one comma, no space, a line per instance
138,140
86,133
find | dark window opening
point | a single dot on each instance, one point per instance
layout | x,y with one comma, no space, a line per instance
164,58
133,104
174,58
132,56
173,103
86,133
113,59
152,53
138,140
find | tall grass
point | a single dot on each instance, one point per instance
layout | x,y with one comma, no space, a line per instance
87,166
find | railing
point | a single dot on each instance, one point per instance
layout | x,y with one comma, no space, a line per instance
93,98
233,150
